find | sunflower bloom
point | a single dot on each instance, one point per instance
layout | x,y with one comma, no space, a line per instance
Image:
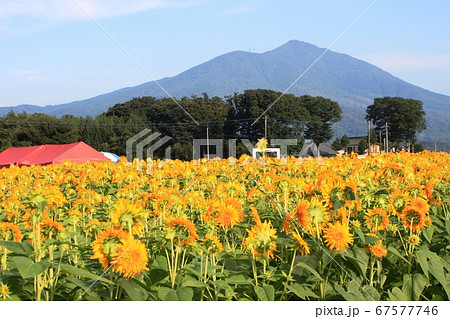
106,245
229,215
4,291
421,204
378,250
414,240
182,230
303,216
413,218
300,244
127,216
376,219
10,231
261,239
131,258
51,227
337,236
212,243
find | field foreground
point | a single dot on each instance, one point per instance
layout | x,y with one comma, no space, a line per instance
337,229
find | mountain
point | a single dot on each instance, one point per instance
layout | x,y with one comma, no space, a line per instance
351,82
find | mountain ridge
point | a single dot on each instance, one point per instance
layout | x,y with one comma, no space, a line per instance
353,83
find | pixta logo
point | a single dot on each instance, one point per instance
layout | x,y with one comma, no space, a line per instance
144,144
151,143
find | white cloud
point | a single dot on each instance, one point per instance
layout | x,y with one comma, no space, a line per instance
30,76
68,9
243,8
405,61
19,16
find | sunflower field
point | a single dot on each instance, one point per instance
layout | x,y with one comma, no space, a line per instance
336,229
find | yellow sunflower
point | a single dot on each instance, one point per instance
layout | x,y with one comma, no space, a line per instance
10,231
378,250
106,245
131,257
300,244
261,239
376,219
421,204
182,230
49,228
127,216
229,214
413,218
337,236
212,243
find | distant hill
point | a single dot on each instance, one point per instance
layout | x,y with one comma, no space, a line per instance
351,82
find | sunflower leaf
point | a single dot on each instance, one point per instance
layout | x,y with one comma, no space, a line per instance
69,269
133,290
265,293
301,291
421,257
17,248
413,286
396,294
309,269
28,268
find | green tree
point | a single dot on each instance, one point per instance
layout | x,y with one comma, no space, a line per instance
286,116
336,145
345,141
363,145
322,114
404,117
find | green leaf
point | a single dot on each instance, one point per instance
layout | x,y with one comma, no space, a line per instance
397,253
359,258
352,294
182,294
161,262
397,295
157,275
428,233
28,268
167,294
301,291
192,282
84,273
17,248
436,268
133,290
238,280
421,257
309,268
413,286
361,236
265,293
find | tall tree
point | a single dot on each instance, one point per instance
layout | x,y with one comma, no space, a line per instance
404,117
322,114
286,116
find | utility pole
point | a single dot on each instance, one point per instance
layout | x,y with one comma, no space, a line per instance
435,146
368,138
207,142
381,141
387,138
265,127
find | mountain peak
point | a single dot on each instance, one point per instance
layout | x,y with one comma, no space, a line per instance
351,82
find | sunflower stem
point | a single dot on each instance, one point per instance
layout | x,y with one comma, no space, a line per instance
255,274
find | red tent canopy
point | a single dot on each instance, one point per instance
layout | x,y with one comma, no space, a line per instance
78,152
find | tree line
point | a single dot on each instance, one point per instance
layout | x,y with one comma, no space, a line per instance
237,116
286,115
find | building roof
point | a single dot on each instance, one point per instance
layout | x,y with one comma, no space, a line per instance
78,152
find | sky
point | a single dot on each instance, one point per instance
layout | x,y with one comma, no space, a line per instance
52,51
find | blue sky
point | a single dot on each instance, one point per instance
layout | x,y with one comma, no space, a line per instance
51,52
